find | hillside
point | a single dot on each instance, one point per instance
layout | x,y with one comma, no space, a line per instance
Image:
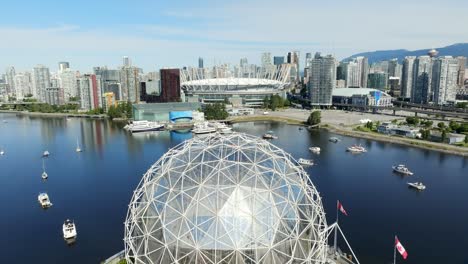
460,49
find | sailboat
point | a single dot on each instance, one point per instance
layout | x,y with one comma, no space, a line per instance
2,152
78,149
44,173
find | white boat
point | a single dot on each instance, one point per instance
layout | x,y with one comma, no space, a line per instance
144,126
315,149
44,200
2,152
45,154
222,128
417,185
402,169
78,148
203,128
44,173
306,162
356,149
69,229
269,136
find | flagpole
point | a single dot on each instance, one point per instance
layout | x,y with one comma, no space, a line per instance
394,250
336,228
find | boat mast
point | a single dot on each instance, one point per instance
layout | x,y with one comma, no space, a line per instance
336,229
394,251
43,165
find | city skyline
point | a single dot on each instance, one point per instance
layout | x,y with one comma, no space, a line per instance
157,35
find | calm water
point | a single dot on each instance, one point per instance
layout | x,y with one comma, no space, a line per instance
94,188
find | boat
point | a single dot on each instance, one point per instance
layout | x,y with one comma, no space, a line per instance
306,162
334,139
269,136
44,200
300,128
315,149
2,152
44,173
356,149
144,126
417,185
78,148
402,169
222,128
45,154
69,229
203,128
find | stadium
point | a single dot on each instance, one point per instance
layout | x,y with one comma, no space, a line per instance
241,86
226,199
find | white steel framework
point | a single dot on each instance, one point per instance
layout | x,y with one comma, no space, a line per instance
226,199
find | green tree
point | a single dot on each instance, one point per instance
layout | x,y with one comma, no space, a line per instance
444,135
215,111
314,118
412,120
466,139
441,125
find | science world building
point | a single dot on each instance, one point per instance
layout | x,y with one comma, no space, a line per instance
226,199
240,86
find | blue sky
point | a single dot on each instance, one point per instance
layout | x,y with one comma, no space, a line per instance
174,33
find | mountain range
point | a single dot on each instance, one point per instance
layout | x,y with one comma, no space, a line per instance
460,49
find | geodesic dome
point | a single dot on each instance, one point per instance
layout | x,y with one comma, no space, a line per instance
225,199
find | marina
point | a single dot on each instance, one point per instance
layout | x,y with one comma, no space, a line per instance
115,161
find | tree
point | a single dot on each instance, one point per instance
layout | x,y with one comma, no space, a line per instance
314,118
444,135
441,125
466,139
215,111
454,126
425,133
412,120
428,123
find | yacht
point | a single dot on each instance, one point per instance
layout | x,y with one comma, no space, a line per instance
78,148
402,169
44,200
356,149
69,229
44,173
269,136
417,185
223,128
45,154
144,126
203,128
334,139
315,149
306,162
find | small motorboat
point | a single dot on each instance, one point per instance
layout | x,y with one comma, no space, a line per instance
315,149
417,185
2,152
305,162
45,154
78,148
402,169
69,230
269,136
44,200
356,149
334,139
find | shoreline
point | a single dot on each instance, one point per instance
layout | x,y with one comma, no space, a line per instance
449,149
53,114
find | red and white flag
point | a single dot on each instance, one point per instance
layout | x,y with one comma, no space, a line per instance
341,208
400,248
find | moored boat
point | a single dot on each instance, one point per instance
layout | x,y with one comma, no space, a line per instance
269,136
402,169
305,162
203,128
45,154
144,126
417,185
315,149
44,200
69,229
334,139
356,149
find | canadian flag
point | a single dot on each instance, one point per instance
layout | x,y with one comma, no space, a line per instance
400,248
341,208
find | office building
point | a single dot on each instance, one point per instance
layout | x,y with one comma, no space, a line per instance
293,59
278,60
67,81
445,72
363,66
394,84
170,85
10,79
308,59
41,81
422,77
130,84
353,74
90,91
377,80
407,77
200,62
22,85
322,80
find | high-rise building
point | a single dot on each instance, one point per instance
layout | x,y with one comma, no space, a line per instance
90,91
22,85
394,68
445,72
54,95
41,81
10,79
63,65
266,59
308,59
363,66
322,80
278,60
170,85
461,71
293,58
377,80
341,71
130,83
243,62
200,62
407,77
353,75
67,81
422,78
126,61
